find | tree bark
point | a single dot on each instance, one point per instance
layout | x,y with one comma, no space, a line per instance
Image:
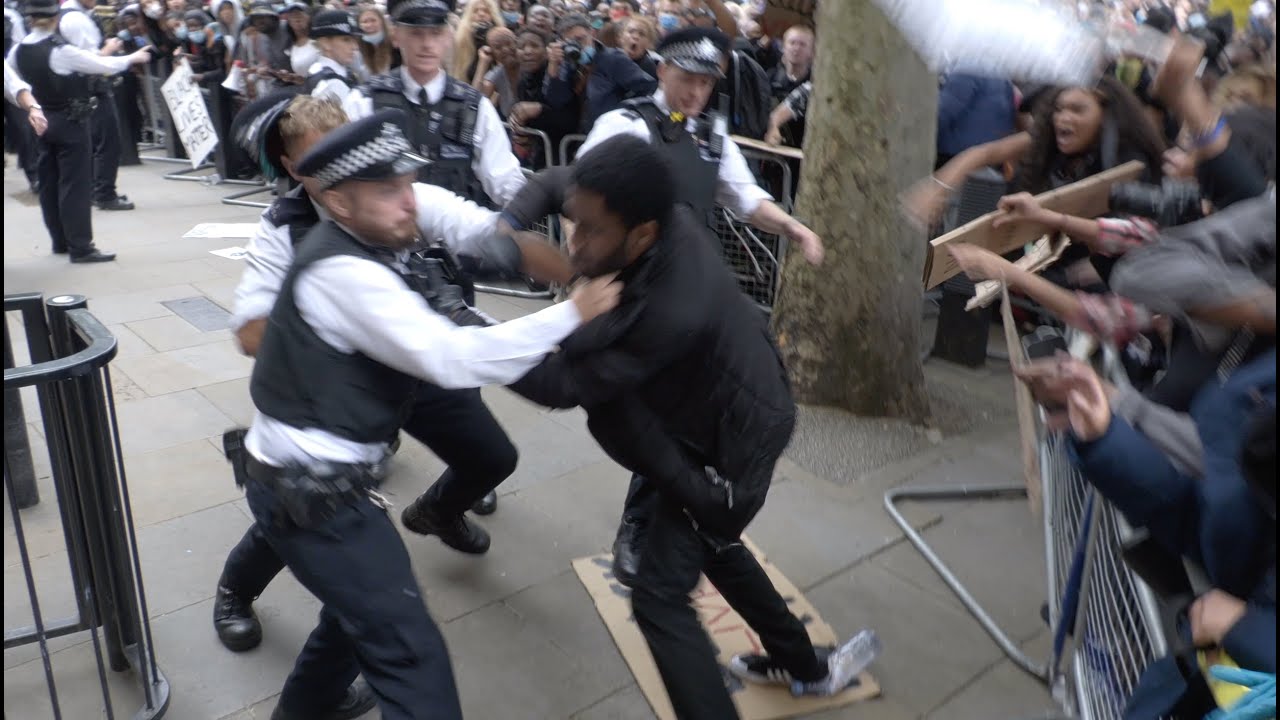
849,330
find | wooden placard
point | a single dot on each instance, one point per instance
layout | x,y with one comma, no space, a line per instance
1024,405
1087,198
779,150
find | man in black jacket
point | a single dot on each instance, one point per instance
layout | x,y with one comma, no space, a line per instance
683,385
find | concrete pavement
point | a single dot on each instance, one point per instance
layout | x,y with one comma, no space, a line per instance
525,640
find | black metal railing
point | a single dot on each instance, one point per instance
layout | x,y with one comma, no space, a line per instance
70,351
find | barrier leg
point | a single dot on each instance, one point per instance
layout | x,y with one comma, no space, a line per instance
238,198
963,492
17,447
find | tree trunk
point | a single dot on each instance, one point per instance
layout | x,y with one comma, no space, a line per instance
849,330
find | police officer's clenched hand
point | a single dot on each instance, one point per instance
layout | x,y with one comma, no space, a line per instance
596,296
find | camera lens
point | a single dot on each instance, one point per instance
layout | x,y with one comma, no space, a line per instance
572,51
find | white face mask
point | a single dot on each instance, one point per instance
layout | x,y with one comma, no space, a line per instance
374,39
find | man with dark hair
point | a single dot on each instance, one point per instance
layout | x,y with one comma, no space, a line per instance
582,73
682,385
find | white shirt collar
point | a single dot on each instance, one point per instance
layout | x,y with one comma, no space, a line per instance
660,99
435,86
333,65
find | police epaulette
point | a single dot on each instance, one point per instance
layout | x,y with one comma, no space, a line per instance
386,82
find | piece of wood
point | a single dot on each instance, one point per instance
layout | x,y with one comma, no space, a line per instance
779,150
1087,198
1043,254
1025,406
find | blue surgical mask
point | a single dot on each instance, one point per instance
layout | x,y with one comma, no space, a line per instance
180,33
588,54
198,37
512,19
669,21
375,38
124,35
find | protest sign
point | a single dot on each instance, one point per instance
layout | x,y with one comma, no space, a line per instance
190,117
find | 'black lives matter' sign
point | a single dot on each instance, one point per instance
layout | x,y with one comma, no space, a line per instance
190,117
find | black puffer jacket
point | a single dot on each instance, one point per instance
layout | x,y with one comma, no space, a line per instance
682,376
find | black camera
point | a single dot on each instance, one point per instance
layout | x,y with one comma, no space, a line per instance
572,52
1169,204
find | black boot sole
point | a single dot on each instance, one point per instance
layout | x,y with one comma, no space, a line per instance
422,523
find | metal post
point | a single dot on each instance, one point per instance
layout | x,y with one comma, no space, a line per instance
17,447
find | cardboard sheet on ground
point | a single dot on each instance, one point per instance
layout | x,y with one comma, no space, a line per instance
1028,428
729,633
1087,198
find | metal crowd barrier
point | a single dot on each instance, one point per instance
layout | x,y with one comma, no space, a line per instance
1105,622
70,351
543,139
569,145
755,257
548,226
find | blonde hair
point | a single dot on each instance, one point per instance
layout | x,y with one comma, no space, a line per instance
1248,85
464,44
646,24
306,115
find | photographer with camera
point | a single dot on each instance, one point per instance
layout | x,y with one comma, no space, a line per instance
589,78
277,130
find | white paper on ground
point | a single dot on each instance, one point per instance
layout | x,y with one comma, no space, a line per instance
222,230
231,253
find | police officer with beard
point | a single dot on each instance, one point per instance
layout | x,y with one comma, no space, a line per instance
59,75
450,122
354,317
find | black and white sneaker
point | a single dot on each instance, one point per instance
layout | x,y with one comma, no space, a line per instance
763,670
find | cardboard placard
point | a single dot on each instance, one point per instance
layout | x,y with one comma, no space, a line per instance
1024,405
1087,198
729,633
780,150
190,116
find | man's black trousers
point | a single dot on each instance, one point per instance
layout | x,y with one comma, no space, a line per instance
373,620
106,148
64,168
454,424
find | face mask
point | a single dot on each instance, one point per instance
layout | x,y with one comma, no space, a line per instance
124,35
669,21
180,33
588,54
198,37
375,39
511,18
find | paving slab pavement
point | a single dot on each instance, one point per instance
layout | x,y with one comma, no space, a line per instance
525,639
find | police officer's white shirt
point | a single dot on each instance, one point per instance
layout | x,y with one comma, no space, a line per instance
494,163
331,89
460,224
13,84
67,59
736,190
358,305
17,27
78,28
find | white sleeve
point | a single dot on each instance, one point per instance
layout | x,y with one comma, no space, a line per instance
496,166
738,190
77,29
358,305
335,90
357,106
460,223
13,84
269,258
66,59
616,122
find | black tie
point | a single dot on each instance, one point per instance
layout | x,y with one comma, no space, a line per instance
422,97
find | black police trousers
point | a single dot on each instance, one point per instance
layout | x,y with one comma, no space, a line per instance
454,424
64,168
106,148
373,620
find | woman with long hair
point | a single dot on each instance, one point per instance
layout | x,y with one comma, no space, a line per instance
375,43
638,38
479,17
302,51
1076,132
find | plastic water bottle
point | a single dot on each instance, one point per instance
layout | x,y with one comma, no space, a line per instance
849,660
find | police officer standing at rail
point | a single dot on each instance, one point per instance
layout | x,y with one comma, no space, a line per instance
451,123
79,29
59,77
710,170
348,319
337,37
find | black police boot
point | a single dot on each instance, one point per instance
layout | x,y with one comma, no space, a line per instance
627,547
234,620
119,202
486,505
358,701
457,532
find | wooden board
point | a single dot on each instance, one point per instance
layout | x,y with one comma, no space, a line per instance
729,633
1088,198
779,150
1024,404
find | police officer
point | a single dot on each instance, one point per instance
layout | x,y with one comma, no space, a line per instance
17,131
336,36
710,171
80,30
348,319
58,74
455,424
450,123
